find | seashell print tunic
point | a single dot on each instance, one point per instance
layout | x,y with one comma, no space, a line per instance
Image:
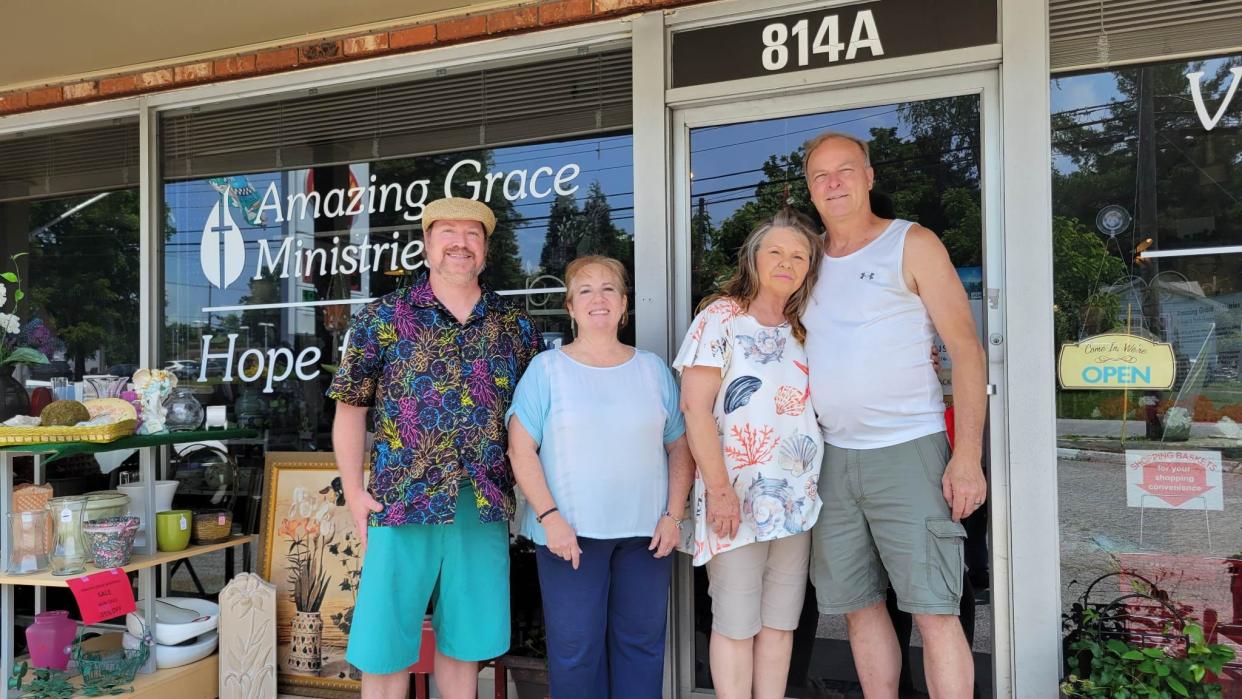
767,427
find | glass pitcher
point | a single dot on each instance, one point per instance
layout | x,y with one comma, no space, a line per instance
69,553
28,542
106,385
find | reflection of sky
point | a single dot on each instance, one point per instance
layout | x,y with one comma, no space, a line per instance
1088,97
727,160
188,205
606,159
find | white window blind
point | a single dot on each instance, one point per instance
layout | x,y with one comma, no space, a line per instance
1096,33
69,161
485,108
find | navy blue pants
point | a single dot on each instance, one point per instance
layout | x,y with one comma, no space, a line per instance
605,620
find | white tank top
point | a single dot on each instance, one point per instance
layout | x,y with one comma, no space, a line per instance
868,342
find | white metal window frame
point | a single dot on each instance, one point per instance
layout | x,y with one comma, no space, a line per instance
1013,89
983,84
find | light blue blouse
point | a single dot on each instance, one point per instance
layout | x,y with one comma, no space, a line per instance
601,434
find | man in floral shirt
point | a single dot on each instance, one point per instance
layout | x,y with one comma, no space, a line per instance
438,362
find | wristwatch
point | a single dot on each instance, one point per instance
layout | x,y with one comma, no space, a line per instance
675,520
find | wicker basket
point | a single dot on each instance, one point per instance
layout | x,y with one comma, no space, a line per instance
31,498
10,436
212,526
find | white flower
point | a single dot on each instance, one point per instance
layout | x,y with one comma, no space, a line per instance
299,494
10,323
4,294
322,512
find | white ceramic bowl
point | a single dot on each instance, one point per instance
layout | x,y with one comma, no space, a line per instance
178,619
105,503
164,491
176,656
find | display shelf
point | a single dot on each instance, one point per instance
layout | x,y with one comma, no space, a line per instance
197,680
139,562
189,682
59,450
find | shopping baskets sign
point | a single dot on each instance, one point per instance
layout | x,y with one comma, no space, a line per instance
1172,479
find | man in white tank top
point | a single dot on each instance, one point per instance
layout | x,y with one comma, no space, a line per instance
893,496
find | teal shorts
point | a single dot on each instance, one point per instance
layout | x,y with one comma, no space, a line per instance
462,567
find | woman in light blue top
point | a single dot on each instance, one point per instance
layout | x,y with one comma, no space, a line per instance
597,443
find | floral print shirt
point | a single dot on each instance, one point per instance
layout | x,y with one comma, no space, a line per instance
768,432
440,389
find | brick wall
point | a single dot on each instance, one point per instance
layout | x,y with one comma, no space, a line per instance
532,16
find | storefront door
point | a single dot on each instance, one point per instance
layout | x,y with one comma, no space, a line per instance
934,150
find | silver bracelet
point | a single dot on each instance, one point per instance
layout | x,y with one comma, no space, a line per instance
675,520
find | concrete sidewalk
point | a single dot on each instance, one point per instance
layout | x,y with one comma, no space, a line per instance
1067,427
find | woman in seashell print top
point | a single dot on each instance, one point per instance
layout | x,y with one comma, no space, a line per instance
757,445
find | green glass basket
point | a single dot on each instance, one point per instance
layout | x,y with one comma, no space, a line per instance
105,672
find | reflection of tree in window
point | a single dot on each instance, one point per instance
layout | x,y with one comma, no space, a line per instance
1194,194
1132,137
573,233
84,275
503,268
928,166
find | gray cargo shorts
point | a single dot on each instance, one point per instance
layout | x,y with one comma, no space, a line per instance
885,521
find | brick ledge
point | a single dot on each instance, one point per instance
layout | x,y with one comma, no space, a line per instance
456,29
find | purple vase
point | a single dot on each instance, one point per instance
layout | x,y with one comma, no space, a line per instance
49,639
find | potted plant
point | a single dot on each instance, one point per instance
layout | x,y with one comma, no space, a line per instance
1138,645
527,660
14,349
310,530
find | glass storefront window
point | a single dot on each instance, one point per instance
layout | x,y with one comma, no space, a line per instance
263,271
78,262
1147,230
69,224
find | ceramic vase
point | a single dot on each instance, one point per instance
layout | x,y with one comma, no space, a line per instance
306,644
49,639
13,397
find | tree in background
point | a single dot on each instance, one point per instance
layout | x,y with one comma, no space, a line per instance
1180,183
84,272
574,233
1082,267
503,268
931,175
561,238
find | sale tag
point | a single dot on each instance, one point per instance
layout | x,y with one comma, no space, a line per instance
183,523
103,595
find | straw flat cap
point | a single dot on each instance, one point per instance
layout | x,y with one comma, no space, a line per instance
459,209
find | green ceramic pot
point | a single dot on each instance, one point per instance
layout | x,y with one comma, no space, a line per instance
173,528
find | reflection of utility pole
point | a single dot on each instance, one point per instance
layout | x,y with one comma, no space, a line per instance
265,326
199,345
1145,225
247,329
